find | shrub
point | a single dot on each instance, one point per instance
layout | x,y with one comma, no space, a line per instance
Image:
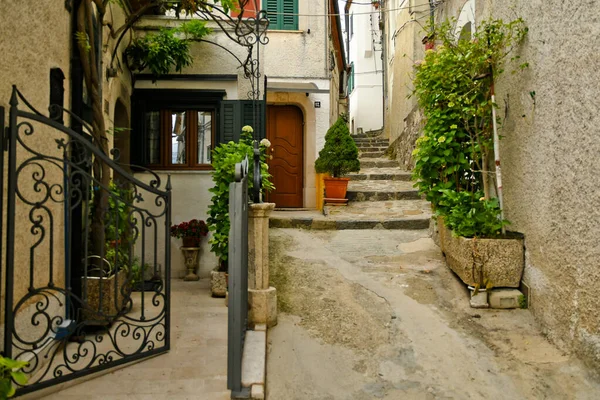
453,86
225,156
340,154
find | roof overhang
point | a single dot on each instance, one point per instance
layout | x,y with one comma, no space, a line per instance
301,87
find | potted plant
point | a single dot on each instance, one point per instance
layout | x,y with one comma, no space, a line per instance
338,157
190,232
454,157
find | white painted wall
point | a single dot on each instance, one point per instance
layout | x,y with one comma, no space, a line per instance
366,100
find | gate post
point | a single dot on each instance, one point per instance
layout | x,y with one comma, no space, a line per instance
261,296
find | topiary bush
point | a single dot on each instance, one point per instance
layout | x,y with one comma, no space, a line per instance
340,154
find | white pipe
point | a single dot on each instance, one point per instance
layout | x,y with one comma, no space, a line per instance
497,159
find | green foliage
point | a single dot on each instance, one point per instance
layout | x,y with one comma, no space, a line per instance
10,370
523,301
453,86
340,154
225,156
168,49
470,214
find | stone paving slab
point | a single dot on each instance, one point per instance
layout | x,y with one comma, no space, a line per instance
195,367
399,214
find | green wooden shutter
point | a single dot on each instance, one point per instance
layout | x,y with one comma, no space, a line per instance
229,121
290,19
258,123
272,10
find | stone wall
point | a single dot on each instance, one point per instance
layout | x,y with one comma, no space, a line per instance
401,149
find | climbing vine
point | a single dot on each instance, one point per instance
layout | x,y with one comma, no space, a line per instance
453,85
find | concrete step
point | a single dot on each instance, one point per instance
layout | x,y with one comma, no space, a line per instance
381,190
372,148
378,163
372,154
380,174
399,214
372,142
369,134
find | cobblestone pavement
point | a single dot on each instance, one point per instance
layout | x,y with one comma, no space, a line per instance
376,314
194,369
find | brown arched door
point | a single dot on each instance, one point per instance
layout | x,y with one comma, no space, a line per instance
284,131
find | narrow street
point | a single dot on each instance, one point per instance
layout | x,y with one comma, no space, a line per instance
375,313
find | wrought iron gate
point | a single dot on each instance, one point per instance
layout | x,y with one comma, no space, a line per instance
87,253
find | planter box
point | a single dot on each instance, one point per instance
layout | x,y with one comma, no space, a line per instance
112,303
218,283
501,261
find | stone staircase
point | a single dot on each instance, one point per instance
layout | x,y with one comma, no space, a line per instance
381,196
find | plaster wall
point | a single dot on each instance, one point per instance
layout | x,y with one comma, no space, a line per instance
550,117
302,53
366,100
30,48
407,35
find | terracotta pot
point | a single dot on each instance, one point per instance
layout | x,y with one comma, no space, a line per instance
191,241
335,188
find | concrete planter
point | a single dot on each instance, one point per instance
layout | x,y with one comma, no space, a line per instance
501,261
218,283
113,297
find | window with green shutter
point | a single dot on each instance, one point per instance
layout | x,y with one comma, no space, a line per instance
351,79
283,14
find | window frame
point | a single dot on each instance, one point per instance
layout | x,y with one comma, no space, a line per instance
191,145
172,100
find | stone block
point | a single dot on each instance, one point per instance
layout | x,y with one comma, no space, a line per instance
254,359
504,298
501,261
257,392
480,300
263,306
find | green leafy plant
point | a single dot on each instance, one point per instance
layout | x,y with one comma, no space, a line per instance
225,156
453,85
523,301
10,370
166,50
340,154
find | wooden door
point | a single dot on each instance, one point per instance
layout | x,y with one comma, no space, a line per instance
284,131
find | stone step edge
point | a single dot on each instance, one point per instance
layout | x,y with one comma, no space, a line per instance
404,177
410,223
372,195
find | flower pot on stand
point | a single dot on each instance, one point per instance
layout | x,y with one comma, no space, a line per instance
191,241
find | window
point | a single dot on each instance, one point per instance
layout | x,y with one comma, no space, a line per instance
179,138
282,14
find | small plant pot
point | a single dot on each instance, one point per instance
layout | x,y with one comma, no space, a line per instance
336,188
190,241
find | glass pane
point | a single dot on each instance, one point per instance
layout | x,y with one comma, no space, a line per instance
204,136
178,138
153,131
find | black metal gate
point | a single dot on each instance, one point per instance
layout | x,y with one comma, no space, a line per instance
87,253
238,279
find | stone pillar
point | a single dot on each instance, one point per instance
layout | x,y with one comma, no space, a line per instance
261,296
